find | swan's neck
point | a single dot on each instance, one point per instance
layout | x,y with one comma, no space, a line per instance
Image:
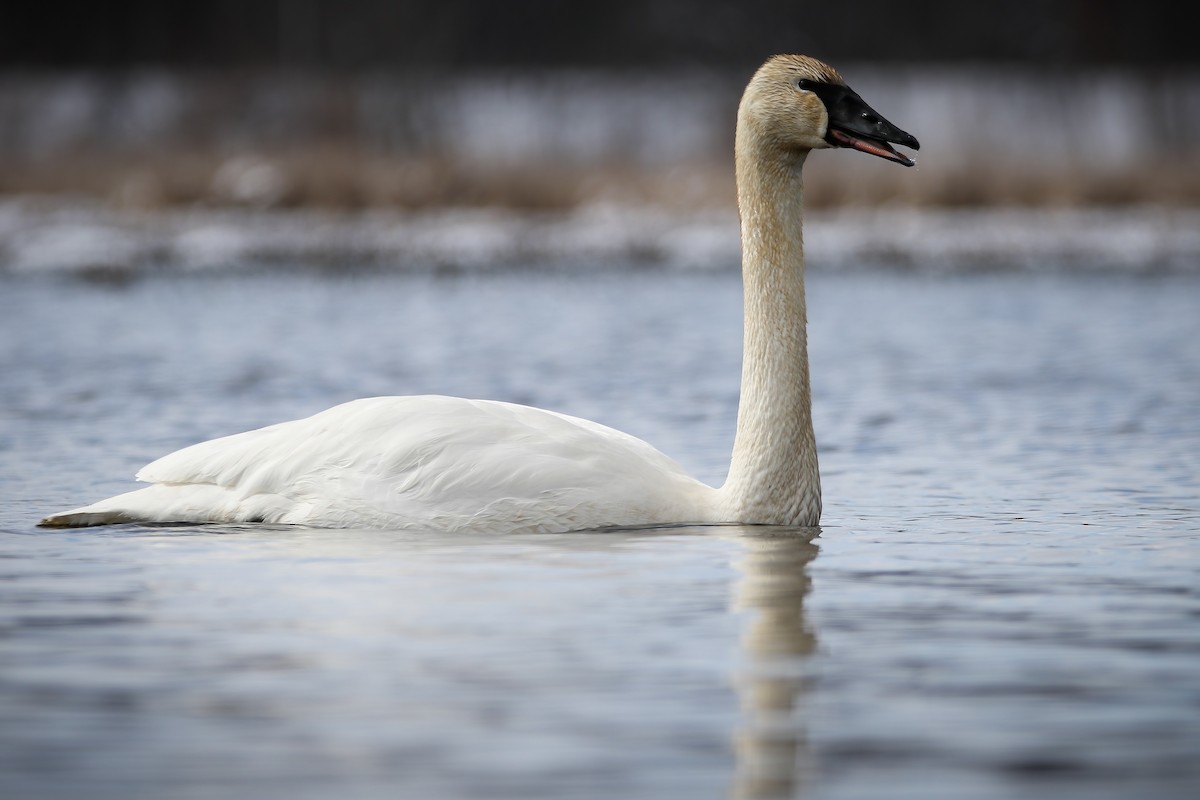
773,478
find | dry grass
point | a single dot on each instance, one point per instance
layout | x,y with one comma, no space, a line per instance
340,177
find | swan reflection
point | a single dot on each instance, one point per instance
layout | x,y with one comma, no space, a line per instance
771,747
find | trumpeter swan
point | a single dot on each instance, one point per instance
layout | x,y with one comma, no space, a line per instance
445,463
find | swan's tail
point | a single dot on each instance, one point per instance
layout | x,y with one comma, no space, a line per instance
82,518
140,505
160,502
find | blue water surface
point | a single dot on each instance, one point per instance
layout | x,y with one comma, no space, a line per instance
1003,600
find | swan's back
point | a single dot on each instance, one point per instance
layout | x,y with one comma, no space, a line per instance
425,461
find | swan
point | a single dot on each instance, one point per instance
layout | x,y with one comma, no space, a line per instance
446,464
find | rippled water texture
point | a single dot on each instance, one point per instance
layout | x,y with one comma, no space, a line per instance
1002,601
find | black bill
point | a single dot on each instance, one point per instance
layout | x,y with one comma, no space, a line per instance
853,123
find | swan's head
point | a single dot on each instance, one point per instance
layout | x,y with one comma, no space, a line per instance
800,103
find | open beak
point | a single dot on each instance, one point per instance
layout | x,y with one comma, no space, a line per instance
853,123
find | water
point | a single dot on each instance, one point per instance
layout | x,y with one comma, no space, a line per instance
1002,601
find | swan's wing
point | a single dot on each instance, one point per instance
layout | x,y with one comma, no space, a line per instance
437,461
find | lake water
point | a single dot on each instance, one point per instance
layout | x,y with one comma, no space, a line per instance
1003,600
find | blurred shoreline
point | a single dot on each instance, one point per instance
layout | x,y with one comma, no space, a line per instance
565,139
115,175
47,236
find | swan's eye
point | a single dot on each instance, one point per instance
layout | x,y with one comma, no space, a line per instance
804,83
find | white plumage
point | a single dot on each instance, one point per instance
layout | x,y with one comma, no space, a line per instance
445,463
423,461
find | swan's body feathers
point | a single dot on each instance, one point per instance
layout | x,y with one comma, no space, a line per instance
432,462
